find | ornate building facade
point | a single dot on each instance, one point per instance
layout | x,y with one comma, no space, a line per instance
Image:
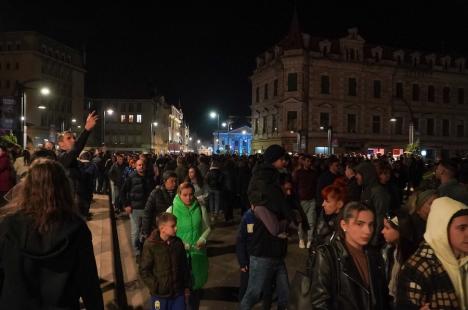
35,60
370,97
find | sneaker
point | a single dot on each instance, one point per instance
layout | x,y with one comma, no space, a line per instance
309,244
301,244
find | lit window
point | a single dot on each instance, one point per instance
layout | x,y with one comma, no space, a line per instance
138,118
130,118
123,118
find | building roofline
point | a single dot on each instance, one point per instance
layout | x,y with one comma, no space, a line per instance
34,32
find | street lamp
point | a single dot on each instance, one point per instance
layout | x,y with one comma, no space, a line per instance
224,124
155,124
329,137
216,115
109,112
21,88
73,120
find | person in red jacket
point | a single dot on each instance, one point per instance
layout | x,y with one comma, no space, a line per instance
6,174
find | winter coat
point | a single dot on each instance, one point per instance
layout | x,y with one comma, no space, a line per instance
376,197
193,225
136,190
454,190
116,174
70,162
215,179
244,238
433,274
306,183
337,283
265,190
88,173
47,271
158,201
354,190
7,175
164,266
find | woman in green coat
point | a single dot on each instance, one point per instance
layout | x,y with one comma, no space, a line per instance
193,227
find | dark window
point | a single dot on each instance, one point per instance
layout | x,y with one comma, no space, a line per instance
416,124
256,126
445,128
43,119
399,126
325,84
430,93
139,107
17,65
266,92
399,90
377,89
273,124
461,96
257,94
352,87
415,92
352,124
292,81
265,125
275,88
130,107
430,127
446,95
324,119
292,120
376,124
460,129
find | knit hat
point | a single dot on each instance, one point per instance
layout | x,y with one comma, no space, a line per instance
424,196
169,174
273,153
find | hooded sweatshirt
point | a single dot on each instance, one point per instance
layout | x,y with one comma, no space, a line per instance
436,236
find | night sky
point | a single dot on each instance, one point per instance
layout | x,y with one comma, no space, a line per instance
203,52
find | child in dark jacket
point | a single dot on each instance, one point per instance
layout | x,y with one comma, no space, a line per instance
164,267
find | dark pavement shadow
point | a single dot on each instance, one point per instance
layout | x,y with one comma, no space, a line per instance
222,293
217,251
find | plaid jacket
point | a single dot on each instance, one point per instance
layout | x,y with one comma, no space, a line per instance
423,280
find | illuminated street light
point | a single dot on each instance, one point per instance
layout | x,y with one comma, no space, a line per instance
73,120
45,91
110,111
155,124
41,107
198,141
224,124
244,132
190,138
213,114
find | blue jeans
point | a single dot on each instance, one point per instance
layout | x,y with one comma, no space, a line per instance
136,220
214,197
309,209
176,303
263,273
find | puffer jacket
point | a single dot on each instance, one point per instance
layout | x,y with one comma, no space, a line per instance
374,196
164,266
158,201
338,285
136,190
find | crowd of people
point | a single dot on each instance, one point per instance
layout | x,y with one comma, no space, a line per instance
378,232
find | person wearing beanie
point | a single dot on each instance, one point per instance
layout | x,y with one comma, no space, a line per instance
422,207
436,275
268,245
159,200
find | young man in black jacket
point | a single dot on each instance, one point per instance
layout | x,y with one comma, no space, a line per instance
69,150
159,201
135,192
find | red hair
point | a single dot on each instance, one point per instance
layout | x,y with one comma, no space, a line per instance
340,182
337,192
